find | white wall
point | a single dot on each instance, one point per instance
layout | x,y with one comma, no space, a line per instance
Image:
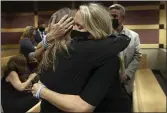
157,60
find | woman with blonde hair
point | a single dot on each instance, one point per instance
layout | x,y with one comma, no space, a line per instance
27,41
83,74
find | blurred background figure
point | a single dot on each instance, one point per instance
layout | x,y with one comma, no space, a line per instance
40,32
27,41
16,84
131,55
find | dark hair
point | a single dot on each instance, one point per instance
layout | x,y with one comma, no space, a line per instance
17,63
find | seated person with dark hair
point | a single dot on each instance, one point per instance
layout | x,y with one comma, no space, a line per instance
17,78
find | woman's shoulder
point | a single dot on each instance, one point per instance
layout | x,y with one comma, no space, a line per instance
117,42
8,72
98,50
24,40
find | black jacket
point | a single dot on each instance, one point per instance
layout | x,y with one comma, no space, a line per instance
26,46
91,71
38,37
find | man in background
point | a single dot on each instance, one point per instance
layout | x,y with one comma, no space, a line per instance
40,33
131,55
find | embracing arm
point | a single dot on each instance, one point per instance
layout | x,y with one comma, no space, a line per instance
13,78
92,94
65,102
38,53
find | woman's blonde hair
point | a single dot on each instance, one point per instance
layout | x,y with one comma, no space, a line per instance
28,32
97,20
49,56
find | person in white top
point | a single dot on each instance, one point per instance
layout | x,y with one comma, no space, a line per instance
131,55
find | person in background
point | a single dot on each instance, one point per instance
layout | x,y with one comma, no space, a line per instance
80,67
131,55
27,41
40,33
16,84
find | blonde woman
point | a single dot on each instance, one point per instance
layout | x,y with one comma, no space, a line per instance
81,73
27,41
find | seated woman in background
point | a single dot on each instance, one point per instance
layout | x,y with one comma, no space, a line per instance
17,78
27,41
80,67
28,46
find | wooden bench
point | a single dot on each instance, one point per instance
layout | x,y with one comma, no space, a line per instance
9,52
148,95
35,109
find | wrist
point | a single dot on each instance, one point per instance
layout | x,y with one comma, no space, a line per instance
44,43
39,91
49,38
42,92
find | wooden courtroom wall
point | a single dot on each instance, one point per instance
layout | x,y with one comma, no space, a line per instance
147,18
17,15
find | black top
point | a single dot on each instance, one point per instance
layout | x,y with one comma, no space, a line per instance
26,46
13,100
38,37
92,71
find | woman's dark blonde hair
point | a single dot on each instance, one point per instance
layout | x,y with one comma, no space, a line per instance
28,32
49,56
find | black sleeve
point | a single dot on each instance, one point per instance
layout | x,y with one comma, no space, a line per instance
26,47
98,85
37,37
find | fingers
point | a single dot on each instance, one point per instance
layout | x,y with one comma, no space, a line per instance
61,28
67,21
63,19
34,93
53,20
69,24
124,77
28,89
69,28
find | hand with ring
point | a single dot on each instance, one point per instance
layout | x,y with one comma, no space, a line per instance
58,30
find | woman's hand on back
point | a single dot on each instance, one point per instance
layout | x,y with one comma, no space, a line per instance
58,30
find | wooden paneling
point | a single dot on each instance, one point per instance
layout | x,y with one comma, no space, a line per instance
148,36
16,21
10,38
142,17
